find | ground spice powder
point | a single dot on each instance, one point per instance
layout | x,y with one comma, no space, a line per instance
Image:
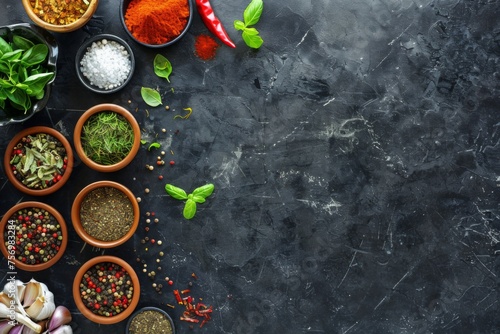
205,47
156,22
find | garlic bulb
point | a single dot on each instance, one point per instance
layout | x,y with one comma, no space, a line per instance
27,308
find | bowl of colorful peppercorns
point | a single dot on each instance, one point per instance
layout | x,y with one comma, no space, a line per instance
106,289
105,63
34,236
60,16
38,161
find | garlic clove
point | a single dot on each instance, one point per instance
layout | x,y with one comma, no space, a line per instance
32,291
15,288
4,299
65,329
43,306
6,313
60,317
5,326
17,329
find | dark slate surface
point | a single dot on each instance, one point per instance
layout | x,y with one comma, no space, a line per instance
355,158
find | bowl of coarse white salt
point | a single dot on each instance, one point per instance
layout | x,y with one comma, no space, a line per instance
105,63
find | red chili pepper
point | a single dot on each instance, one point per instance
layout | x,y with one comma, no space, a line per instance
190,319
212,22
177,296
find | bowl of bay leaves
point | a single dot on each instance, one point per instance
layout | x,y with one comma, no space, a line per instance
28,57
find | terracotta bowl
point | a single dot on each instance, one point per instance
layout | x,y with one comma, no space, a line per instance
83,50
61,28
79,130
11,173
10,219
132,304
149,308
77,223
36,35
123,9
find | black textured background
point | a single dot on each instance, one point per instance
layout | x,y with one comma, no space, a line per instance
355,158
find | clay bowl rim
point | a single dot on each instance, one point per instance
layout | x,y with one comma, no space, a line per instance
34,130
61,28
81,52
75,214
55,214
78,132
123,8
149,308
85,311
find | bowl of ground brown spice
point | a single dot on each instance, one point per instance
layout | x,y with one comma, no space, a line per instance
60,16
105,214
155,23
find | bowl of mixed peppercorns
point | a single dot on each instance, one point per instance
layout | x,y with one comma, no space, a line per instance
106,289
34,236
38,161
60,16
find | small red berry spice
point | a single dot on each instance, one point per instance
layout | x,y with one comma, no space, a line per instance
172,162
160,177
170,282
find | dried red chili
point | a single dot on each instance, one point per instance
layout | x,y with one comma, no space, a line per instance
212,22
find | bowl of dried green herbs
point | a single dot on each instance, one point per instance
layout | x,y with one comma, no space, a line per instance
38,161
28,56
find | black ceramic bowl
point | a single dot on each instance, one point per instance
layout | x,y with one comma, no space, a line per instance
123,8
128,329
37,35
85,47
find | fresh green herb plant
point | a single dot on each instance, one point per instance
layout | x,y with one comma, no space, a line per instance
162,67
22,76
151,96
251,16
197,196
107,138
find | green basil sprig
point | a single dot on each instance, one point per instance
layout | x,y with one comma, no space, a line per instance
22,75
251,16
198,195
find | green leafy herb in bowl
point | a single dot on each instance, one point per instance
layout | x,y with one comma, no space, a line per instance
22,77
28,57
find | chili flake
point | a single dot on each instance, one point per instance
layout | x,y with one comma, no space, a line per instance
60,12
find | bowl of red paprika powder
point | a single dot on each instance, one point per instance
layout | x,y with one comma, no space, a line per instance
35,236
156,24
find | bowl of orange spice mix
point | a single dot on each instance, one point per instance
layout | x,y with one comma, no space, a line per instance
60,15
154,23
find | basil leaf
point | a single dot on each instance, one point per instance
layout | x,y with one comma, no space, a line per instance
19,99
151,96
189,209
154,145
12,56
239,25
204,191
198,199
162,67
37,82
35,55
21,42
176,192
252,13
253,41
4,46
